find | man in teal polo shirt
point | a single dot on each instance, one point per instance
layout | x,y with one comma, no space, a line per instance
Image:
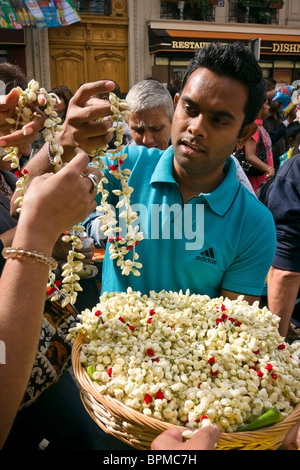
203,231
227,242
205,245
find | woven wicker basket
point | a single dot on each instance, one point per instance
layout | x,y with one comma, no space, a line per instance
138,430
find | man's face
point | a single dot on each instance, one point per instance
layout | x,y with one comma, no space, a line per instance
151,128
207,122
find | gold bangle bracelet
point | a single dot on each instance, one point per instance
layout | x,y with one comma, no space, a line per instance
17,253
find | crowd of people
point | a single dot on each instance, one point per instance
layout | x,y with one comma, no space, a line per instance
179,152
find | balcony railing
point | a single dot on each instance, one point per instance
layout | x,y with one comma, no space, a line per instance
185,10
97,7
247,11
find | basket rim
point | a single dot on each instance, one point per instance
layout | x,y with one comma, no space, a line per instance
91,387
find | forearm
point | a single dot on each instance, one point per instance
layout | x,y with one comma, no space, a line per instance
20,335
283,288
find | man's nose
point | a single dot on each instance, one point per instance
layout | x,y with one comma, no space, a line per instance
148,139
197,126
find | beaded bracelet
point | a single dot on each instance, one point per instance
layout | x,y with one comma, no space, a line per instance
16,253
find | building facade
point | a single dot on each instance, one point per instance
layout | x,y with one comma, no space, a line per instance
129,40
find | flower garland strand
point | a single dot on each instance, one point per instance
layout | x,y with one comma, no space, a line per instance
24,115
119,246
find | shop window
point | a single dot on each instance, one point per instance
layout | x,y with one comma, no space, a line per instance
186,10
97,7
251,11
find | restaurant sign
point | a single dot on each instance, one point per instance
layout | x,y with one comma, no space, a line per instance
163,40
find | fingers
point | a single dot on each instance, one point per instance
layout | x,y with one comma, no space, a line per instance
9,101
205,439
27,134
86,91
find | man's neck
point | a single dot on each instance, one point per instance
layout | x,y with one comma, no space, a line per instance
191,186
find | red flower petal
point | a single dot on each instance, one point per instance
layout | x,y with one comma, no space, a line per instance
113,167
149,320
231,319
132,328
223,308
150,352
18,173
256,352
224,316
214,373
51,290
274,376
147,398
152,312
269,367
159,395
109,371
98,313
204,417
238,323
122,319
259,373
211,360
281,346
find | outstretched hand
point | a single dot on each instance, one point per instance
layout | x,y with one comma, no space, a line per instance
87,120
56,202
22,137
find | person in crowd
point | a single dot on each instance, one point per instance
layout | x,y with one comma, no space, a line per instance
64,95
87,298
260,143
270,84
25,278
282,199
196,169
276,126
292,132
151,112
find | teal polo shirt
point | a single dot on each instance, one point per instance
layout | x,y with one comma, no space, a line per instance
224,239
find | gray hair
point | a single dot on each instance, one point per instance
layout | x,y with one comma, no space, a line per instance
150,94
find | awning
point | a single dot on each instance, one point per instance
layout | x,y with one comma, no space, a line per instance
19,14
163,40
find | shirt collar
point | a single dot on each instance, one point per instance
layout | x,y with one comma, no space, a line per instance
163,172
219,200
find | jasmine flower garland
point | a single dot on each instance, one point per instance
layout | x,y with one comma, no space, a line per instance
120,247
24,115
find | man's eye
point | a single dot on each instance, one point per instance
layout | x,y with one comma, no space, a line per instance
220,121
189,110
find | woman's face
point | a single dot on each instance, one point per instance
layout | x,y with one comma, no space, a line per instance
60,106
264,110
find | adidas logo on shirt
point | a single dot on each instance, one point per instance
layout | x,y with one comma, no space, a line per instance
207,256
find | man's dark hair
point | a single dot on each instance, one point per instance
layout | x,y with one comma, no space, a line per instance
12,76
236,61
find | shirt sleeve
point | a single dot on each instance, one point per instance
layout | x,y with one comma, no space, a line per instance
248,272
283,200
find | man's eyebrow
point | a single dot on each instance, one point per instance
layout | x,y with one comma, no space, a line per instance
217,112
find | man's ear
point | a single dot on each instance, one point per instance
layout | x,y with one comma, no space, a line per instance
176,98
247,133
